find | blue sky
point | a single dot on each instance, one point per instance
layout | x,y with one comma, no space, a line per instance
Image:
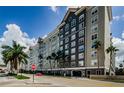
28,23
36,21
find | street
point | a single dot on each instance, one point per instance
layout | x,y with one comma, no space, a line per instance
50,81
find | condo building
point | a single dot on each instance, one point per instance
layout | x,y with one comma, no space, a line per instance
78,31
75,37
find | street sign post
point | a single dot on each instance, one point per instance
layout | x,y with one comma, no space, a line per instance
33,69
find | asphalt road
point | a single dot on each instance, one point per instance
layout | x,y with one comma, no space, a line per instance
50,81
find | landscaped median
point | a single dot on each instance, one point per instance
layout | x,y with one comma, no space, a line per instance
117,79
21,77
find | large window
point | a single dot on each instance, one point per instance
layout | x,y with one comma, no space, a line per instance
73,64
73,29
94,62
81,26
66,33
81,18
73,23
81,41
73,37
66,40
81,63
72,50
61,36
66,46
81,33
73,44
81,56
66,52
81,48
72,57
66,27
61,42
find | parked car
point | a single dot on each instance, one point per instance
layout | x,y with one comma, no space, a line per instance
39,74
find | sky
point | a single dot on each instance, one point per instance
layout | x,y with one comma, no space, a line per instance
26,24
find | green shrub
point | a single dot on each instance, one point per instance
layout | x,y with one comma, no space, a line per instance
22,77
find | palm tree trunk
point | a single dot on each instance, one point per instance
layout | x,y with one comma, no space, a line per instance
110,63
98,60
50,65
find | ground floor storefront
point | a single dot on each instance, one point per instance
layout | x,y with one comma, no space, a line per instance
76,72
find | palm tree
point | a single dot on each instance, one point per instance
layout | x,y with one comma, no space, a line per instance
49,58
112,50
97,46
15,55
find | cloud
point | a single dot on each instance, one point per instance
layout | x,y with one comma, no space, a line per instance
119,43
116,18
14,32
54,8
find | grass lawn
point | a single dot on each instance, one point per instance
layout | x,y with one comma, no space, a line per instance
21,77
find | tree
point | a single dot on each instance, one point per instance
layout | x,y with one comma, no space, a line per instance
97,46
49,58
112,50
15,55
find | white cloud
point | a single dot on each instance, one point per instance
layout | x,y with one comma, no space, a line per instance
116,18
14,32
54,8
119,43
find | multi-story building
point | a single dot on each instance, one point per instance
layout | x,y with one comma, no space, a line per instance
75,37
49,45
80,28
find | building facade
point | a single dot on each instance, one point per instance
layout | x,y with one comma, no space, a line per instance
80,28
75,37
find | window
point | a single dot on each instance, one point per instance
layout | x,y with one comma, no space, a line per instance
66,52
94,20
66,46
73,64
94,36
81,18
72,50
66,33
61,36
73,29
73,23
73,44
72,57
94,62
66,27
73,37
81,41
94,28
81,63
81,48
66,40
61,42
93,53
80,56
81,26
81,33
94,11
61,31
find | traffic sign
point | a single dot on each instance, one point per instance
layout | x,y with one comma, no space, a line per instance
33,66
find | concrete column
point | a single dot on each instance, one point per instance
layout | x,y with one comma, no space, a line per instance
72,73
